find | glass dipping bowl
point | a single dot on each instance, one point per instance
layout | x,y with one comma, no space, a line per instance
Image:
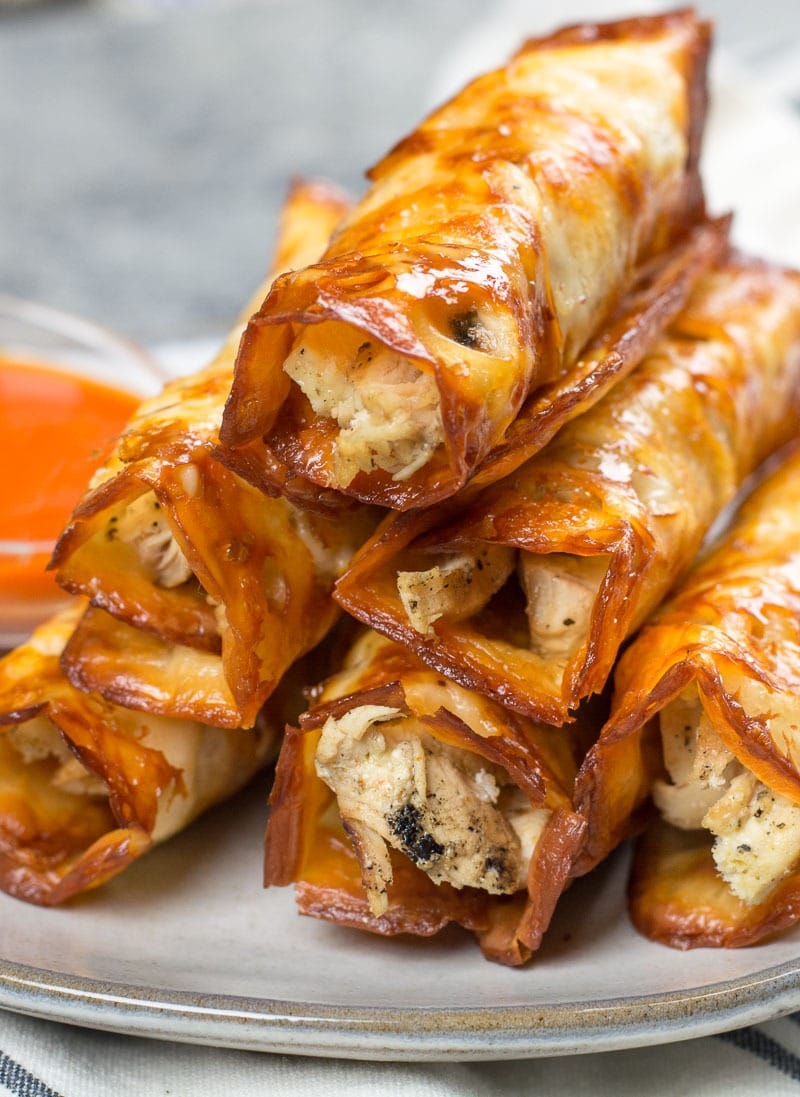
33,334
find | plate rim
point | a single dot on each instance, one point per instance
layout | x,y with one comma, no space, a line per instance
425,1033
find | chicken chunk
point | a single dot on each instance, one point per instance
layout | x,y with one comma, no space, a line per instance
757,837
698,762
449,811
455,588
561,591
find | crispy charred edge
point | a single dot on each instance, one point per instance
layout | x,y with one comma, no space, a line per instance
307,199
699,32
88,727
613,784
614,781
293,803
676,897
259,467
516,927
659,295
660,292
176,615
631,549
388,695
637,26
427,918
368,591
509,928
288,806
104,859
133,802
308,297
288,439
102,656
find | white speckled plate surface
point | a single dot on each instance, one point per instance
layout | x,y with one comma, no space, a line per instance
187,946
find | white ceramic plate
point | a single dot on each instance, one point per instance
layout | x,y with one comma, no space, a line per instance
187,946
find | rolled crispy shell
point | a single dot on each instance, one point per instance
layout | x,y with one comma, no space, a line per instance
306,842
495,243
256,576
86,786
732,631
634,485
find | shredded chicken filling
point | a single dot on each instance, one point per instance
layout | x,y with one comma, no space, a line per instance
560,593
387,410
456,816
37,740
142,524
756,830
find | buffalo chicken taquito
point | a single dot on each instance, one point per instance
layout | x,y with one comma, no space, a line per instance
528,593
706,716
494,243
172,542
405,802
86,786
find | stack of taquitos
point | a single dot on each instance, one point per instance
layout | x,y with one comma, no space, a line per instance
534,258
517,319
118,731
520,591
528,593
633,485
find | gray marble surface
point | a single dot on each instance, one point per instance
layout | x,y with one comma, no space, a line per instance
145,146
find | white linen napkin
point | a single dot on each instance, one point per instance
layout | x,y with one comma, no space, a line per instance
43,1059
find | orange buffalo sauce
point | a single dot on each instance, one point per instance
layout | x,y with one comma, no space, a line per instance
55,430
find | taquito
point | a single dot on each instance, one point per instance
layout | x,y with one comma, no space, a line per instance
86,786
706,715
493,246
456,810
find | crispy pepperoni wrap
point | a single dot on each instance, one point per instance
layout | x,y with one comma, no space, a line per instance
170,541
528,593
706,714
86,786
494,244
405,802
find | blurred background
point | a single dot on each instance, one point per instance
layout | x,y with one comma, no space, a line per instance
146,145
